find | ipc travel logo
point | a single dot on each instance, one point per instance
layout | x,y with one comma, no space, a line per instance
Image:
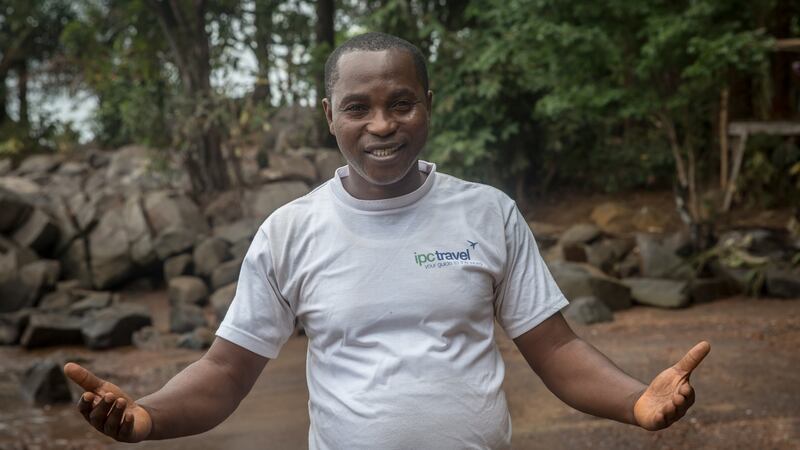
437,259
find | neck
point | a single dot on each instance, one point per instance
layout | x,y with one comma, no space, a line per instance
361,189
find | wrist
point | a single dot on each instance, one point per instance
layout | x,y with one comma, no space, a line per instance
633,398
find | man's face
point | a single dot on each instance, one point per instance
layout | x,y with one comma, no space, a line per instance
379,113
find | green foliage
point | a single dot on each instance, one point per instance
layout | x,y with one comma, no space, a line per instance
771,172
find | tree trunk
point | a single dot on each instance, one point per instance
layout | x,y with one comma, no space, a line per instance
263,43
3,111
184,27
325,36
22,93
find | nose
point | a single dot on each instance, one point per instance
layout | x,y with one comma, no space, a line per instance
381,124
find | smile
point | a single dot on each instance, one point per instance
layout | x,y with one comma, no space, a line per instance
384,152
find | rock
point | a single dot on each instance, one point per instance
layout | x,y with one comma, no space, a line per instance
114,326
142,248
225,273
187,290
660,255
326,162
581,280
221,300
73,168
173,241
40,276
243,230
740,278
75,263
613,218
629,265
14,293
55,302
663,293
225,208
16,210
783,282
44,383
167,210
200,338
92,302
13,257
148,338
131,167
259,203
5,166
582,233
50,329
111,262
39,164
607,253
546,234
705,290
178,265
13,324
185,317
209,254
573,252
239,249
588,310
39,232
289,166
649,220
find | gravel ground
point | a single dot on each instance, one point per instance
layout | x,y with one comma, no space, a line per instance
747,388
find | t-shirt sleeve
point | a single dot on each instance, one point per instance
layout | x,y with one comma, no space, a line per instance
527,294
259,318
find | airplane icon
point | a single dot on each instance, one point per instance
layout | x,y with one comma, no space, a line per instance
472,244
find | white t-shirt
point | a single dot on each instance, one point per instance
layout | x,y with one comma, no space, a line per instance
398,299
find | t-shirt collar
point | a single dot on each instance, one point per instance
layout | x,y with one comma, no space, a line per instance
383,204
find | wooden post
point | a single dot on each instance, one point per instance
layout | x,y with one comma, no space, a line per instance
738,156
723,139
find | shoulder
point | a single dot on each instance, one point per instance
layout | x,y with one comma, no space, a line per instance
474,195
297,212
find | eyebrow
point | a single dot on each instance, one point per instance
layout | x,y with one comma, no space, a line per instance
362,97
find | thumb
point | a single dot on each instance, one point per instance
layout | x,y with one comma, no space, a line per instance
693,357
85,379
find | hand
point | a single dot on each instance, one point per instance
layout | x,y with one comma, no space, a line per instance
669,395
110,410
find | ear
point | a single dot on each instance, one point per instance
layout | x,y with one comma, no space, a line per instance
328,108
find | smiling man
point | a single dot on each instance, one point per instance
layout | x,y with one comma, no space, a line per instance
397,274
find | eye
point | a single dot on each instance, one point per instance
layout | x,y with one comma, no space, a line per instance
403,105
355,108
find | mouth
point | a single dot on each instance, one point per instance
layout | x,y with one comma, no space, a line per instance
383,151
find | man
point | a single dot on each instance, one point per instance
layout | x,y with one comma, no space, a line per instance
397,274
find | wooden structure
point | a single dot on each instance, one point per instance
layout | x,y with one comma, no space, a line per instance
740,131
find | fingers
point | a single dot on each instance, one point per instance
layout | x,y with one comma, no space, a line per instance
112,425
693,357
85,379
85,404
126,428
99,414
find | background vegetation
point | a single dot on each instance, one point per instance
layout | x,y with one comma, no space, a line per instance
529,94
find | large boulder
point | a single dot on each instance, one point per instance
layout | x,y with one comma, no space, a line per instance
185,317
167,210
326,162
613,218
225,208
662,255
90,301
13,324
39,164
114,326
605,254
173,241
783,282
209,254
149,338
15,210
233,233
40,276
44,383
288,166
187,290
221,300
38,232
582,233
75,263
200,338
142,248
264,200
581,280
45,330
225,273
704,290
178,265
111,262
588,310
663,293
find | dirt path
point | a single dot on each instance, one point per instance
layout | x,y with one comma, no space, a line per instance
748,389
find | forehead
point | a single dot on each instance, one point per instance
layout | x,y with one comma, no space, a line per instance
365,71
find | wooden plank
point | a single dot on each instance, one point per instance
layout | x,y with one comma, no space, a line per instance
787,45
738,156
779,128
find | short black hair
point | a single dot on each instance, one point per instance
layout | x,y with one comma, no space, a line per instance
373,42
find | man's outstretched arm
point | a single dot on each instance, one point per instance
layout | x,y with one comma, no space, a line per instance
588,381
195,400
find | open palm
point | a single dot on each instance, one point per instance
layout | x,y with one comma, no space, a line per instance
669,395
108,408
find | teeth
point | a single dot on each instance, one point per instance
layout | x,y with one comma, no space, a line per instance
384,151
